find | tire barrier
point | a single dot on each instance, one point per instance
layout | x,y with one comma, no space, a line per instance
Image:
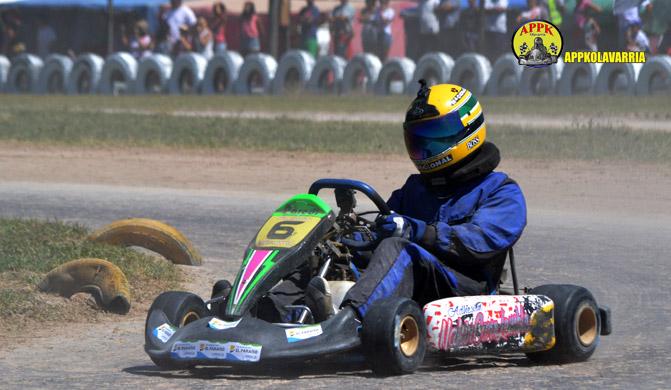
578,79
153,74
505,78
616,79
471,71
293,72
541,81
326,77
118,75
256,75
4,71
435,68
85,74
655,76
361,74
150,234
395,76
100,278
187,74
54,74
24,74
221,73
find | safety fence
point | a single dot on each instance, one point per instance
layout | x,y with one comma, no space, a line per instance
298,72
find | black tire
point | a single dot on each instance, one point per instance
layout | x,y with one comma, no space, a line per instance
577,324
180,308
394,336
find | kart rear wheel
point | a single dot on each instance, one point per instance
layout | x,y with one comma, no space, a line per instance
394,336
180,308
577,324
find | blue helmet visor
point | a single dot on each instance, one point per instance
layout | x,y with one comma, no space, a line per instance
429,138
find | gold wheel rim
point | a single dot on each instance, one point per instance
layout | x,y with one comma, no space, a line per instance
409,336
188,318
586,325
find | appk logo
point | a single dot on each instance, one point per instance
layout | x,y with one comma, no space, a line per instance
537,43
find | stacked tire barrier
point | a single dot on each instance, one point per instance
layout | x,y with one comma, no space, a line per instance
298,72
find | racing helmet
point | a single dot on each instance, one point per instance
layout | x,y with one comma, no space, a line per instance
443,126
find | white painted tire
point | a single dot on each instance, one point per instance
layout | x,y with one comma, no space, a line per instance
4,71
153,74
655,76
541,81
435,68
361,74
614,79
505,78
85,74
54,74
471,71
293,72
395,76
221,73
256,75
187,75
118,75
24,74
326,77
578,79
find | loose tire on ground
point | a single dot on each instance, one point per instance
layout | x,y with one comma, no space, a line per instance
293,72
24,74
153,74
54,74
505,77
541,81
4,71
256,74
395,76
617,79
578,79
221,73
577,324
361,74
394,336
655,76
118,75
326,77
188,72
435,68
85,74
471,71
180,308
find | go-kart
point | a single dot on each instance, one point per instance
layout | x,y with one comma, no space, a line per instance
550,323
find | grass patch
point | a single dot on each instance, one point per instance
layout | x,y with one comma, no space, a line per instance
103,130
30,248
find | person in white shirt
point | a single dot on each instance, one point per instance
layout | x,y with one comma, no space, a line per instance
384,18
177,16
429,27
497,40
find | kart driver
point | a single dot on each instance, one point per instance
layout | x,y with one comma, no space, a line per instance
452,224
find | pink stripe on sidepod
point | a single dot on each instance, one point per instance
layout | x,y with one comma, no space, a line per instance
258,257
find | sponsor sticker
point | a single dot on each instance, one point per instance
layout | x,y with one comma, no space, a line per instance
303,333
164,332
216,350
184,350
216,323
243,352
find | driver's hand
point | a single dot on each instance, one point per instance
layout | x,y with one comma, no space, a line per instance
396,225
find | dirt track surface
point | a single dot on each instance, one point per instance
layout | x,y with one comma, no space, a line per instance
604,226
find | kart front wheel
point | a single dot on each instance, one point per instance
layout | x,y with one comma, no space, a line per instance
577,324
394,336
180,308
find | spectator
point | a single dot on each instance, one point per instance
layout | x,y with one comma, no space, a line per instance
428,26
532,13
251,30
553,10
184,43
656,16
219,26
450,11
588,29
341,28
368,26
202,39
46,36
179,15
636,38
162,32
627,14
308,17
384,19
140,44
469,24
497,40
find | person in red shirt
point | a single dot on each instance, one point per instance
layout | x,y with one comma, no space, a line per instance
219,26
251,30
